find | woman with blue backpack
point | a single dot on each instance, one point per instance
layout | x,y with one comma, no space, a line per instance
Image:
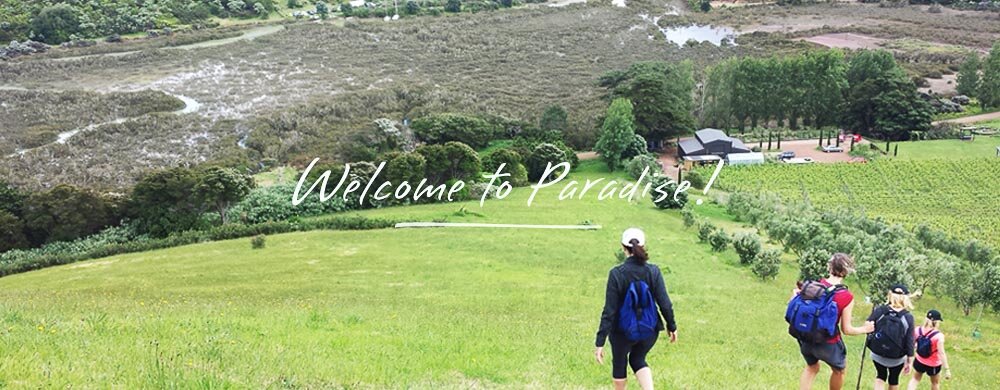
892,341
630,318
931,358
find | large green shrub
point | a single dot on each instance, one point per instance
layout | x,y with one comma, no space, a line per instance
541,156
617,133
56,24
767,264
220,188
747,246
407,167
65,213
673,199
453,160
11,232
270,204
639,163
719,240
165,201
636,148
514,165
813,264
705,230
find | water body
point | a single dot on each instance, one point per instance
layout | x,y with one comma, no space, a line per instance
700,33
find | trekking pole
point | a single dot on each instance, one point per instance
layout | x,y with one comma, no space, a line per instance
862,368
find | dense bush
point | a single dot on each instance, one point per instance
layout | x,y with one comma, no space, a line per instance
541,156
65,213
258,241
441,128
514,165
11,232
719,240
453,160
644,162
56,24
812,264
274,203
408,167
166,201
636,148
673,200
767,264
747,246
696,179
705,230
221,187
689,218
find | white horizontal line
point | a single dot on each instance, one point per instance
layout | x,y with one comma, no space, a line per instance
494,225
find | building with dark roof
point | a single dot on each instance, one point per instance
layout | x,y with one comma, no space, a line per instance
710,142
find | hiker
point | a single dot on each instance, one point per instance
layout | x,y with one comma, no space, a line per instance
818,313
930,352
892,341
630,319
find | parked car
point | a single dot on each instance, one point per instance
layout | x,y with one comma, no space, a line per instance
803,160
786,155
832,149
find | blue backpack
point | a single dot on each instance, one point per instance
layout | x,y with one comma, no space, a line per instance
637,317
812,315
925,343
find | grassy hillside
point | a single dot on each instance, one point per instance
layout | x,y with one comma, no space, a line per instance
427,308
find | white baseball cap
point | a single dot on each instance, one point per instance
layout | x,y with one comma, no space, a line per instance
633,233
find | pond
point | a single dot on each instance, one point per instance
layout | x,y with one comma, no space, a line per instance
700,33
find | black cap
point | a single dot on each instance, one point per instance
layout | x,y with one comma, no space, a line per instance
934,315
899,288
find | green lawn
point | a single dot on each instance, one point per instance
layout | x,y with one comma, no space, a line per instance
981,146
419,308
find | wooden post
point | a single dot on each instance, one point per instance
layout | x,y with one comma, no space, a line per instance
852,142
887,147
768,140
838,140
821,138
679,170
895,151
779,140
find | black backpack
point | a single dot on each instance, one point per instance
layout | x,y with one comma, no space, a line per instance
889,338
925,343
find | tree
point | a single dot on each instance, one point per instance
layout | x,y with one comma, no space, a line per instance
223,187
11,199
412,7
64,213
767,264
441,128
812,264
989,87
324,10
453,6
55,24
882,101
617,132
407,167
165,202
747,246
669,202
513,165
719,240
451,161
554,118
661,94
968,76
11,232
541,156
637,147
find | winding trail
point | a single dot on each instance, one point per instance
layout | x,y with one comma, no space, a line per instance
190,106
971,119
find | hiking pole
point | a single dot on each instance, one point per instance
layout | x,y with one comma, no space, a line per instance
862,368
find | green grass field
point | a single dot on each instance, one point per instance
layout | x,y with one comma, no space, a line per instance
981,146
420,308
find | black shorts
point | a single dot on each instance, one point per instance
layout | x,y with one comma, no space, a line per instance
834,355
625,352
925,369
888,374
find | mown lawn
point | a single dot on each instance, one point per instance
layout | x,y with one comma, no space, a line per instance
419,308
981,146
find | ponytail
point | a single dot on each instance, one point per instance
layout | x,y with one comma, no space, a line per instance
637,251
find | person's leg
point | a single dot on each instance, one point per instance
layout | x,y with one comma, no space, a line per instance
936,382
881,373
637,359
837,378
620,347
808,376
915,380
894,377
812,366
